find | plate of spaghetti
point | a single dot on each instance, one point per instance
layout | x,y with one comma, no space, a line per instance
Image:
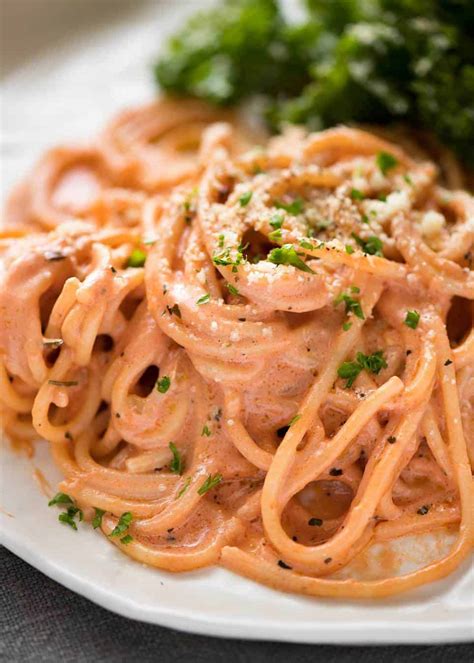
241,367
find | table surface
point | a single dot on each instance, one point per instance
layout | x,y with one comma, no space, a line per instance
42,621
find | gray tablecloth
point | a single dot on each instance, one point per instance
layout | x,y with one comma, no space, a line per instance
42,621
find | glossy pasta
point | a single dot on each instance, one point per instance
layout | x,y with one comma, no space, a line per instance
248,352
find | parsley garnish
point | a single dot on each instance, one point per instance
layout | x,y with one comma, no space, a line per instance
346,326
203,300
287,255
52,342
245,198
123,524
61,498
63,383
137,258
174,310
356,194
184,488
412,319
372,245
205,431
294,419
97,520
295,207
276,221
163,384
224,258
67,517
232,289
275,235
352,304
386,161
305,244
177,464
373,363
349,249
128,538
210,483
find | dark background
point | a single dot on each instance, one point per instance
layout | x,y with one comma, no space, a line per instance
42,621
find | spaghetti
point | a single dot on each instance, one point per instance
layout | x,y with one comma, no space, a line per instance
256,357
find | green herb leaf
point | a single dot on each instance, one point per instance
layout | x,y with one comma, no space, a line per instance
184,488
356,194
63,383
60,498
205,431
232,289
412,319
203,300
351,303
123,524
163,384
346,326
210,483
349,249
294,419
287,255
305,244
372,245
67,519
137,258
349,370
276,221
295,207
128,538
97,520
386,161
245,198
275,235
177,464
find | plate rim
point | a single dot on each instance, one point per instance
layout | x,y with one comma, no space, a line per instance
384,632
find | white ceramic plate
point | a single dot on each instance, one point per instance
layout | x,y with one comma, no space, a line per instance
67,94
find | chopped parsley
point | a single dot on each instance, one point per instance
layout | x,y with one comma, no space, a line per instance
184,488
346,326
412,319
63,383
225,259
97,520
356,194
287,255
203,300
232,289
128,538
205,431
305,244
137,258
351,303
349,370
295,207
123,524
275,235
68,517
163,384
177,464
210,483
174,310
373,245
276,221
52,343
294,419
349,249
60,498
245,198
386,161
